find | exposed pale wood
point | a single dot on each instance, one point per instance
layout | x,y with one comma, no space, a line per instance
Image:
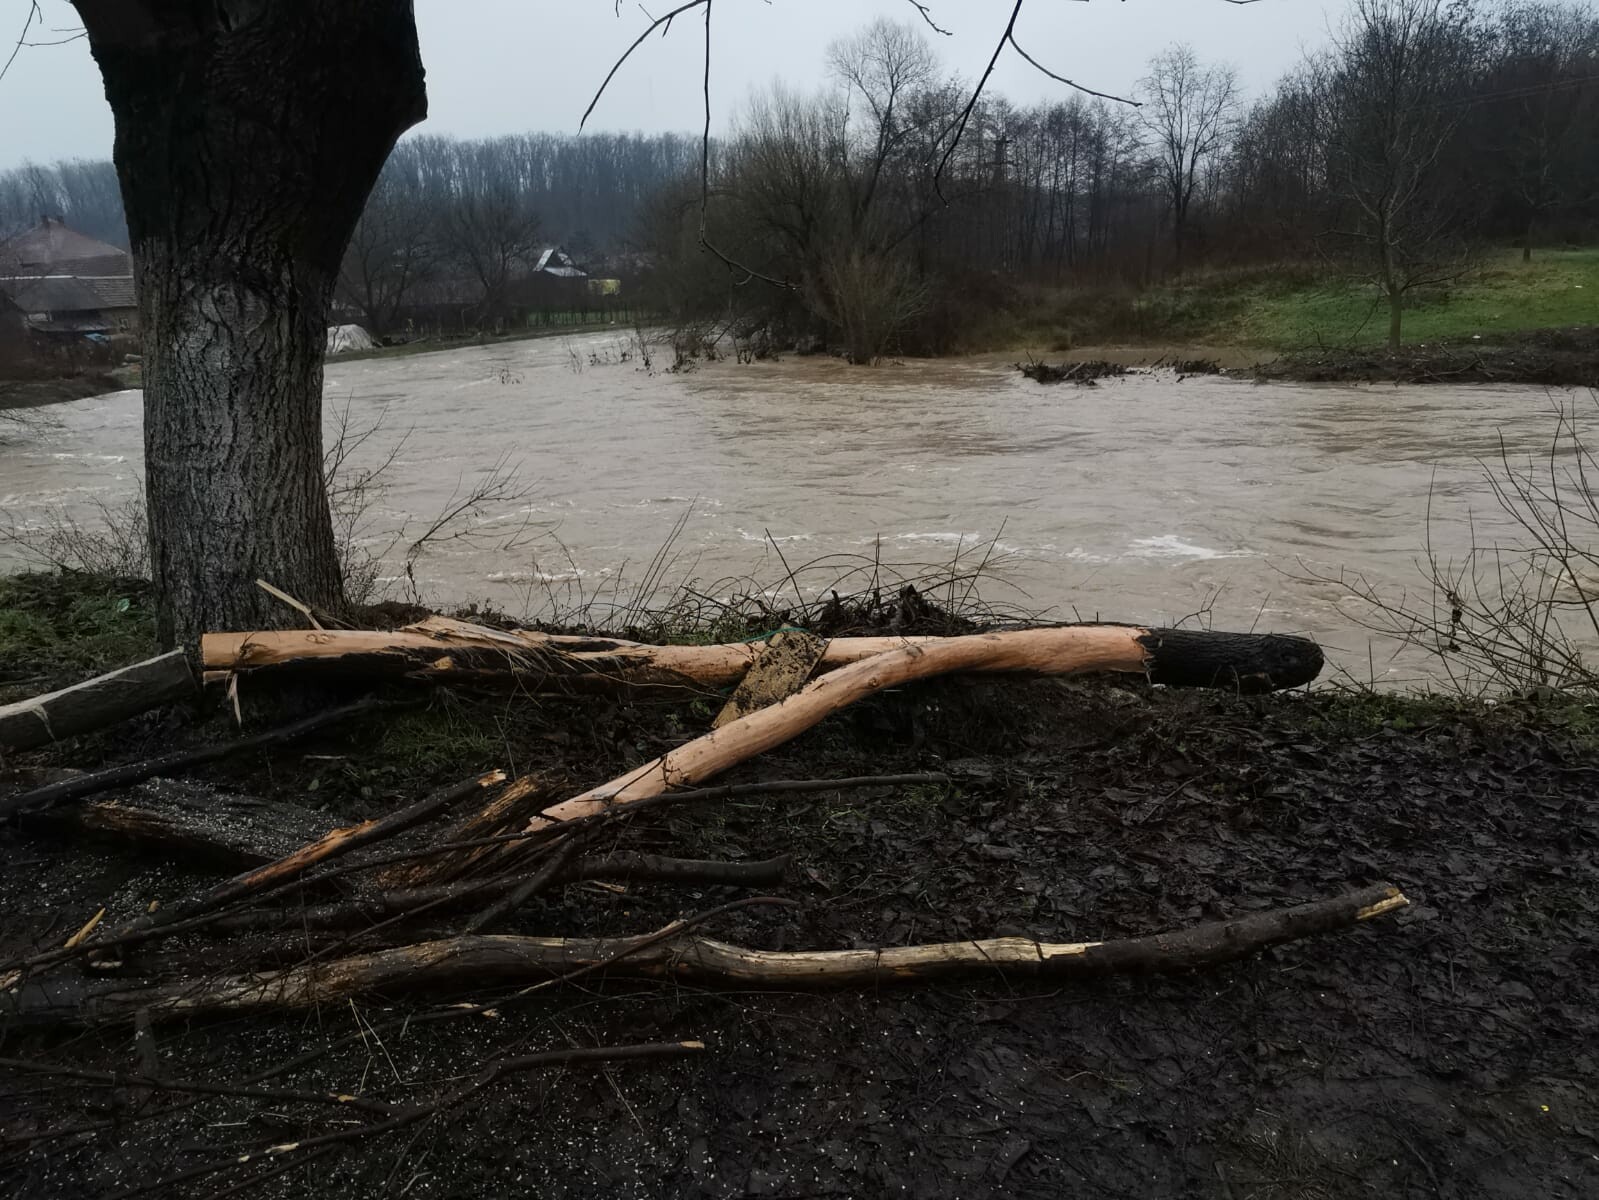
442,649
1063,651
780,669
486,959
96,703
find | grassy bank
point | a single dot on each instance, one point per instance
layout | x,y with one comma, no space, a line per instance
1285,308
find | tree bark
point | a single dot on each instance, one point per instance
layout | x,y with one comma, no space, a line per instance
248,135
95,703
504,959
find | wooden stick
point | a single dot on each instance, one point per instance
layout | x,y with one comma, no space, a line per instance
486,959
127,774
96,703
333,844
620,866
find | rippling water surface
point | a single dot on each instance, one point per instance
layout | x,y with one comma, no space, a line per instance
1143,499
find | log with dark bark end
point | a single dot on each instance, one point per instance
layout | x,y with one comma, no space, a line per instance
194,820
96,703
1245,662
443,650
485,959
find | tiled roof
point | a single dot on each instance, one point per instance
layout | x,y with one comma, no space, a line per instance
51,248
52,294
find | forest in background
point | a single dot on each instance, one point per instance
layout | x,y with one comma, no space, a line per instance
867,215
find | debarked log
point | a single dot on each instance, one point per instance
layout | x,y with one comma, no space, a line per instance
441,649
1180,657
96,703
482,960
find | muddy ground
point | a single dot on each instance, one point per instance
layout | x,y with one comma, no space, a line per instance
1449,1051
1552,357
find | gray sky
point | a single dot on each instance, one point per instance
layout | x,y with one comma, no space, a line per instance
505,66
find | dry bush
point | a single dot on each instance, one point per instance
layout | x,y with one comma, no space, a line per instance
1520,616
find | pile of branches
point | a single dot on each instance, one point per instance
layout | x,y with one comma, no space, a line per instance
418,898
1086,373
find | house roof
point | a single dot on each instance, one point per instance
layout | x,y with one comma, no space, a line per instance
115,291
51,294
555,261
52,248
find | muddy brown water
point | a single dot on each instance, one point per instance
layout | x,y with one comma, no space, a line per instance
1144,499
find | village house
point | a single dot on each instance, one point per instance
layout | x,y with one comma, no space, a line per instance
66,285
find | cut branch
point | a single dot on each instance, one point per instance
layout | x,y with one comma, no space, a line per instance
501,959
96,703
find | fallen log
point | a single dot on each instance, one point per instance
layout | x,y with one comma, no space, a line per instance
440,649
486,959
126,774
195,820
96,703
262,879
1168,655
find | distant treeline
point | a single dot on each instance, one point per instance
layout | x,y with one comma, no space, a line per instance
1425,128
456,223
867,214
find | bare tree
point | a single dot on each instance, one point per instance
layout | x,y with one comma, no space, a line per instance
1544,70
1395,91
491,232
394,247
1188,116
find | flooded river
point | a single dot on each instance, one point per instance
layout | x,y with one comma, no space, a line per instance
1144,499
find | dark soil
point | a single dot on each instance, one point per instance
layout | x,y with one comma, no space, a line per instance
1553,357
1451,1050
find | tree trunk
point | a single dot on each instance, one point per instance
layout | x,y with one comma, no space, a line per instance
1396,313
248,135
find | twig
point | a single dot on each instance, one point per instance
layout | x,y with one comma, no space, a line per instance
494,1071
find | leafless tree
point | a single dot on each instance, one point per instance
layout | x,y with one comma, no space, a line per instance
1544,72
1395,94
395,245
1188,117
491,232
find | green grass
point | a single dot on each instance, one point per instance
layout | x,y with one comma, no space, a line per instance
1502,295
62,625
1294,306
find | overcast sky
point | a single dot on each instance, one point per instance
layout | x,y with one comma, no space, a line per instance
505,66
